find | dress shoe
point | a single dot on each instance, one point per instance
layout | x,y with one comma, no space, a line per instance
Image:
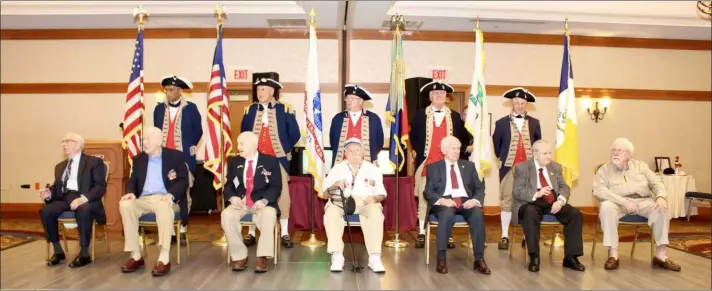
238,265
56,259
287,242
160,269
80,261
533,263
667,264
451,243
611,264
421,242
503,244
132,265
481,266
574,264
442,266
261,265
249,240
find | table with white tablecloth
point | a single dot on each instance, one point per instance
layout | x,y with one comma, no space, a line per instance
676,187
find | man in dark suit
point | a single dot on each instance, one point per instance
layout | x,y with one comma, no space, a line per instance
159,178
79,184
539,189
453,188
254,184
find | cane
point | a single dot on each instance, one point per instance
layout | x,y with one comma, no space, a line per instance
357,267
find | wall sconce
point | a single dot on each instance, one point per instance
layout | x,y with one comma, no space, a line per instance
160,97
597,114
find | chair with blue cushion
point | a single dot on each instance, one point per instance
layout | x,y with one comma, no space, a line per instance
247,221
68,217
149,220
547,220
634,220
433,222
695,196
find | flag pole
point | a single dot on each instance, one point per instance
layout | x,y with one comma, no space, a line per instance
397,24
312,242
221,242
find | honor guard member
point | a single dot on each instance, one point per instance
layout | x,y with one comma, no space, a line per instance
182,129
513,137
275,125
429,126
356,122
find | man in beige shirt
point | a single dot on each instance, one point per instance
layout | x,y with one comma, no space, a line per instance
625,186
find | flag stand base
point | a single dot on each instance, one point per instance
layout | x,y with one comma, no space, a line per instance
312,242
396,243
221,242
557,241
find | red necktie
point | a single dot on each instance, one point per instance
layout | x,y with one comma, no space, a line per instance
249,184
453,183
548,198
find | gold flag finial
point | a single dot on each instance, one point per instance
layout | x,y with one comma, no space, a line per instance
478,22
311,16
140,14
220,13
397,22
566,24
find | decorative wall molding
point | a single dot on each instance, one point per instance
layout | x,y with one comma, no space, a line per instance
162,33
149,88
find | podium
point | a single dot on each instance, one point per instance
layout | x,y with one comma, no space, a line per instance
115,156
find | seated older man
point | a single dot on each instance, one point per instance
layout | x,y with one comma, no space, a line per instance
364,182
159,178
254,184
623,186
79,184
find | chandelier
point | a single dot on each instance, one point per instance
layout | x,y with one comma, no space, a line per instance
704,9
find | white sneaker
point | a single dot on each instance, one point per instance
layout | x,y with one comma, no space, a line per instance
376,265
337,262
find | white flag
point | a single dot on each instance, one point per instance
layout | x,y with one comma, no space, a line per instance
478,119
312,110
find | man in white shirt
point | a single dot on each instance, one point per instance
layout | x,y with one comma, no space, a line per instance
364,182
539,189
453,188
254,184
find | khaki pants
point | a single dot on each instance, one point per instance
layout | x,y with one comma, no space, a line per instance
610,213
371,220
419,189
284,201
265,220
506,187
132,210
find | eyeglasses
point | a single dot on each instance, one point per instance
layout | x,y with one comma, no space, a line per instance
618,151
67,141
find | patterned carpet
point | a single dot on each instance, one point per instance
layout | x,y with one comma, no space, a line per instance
8,241
692,237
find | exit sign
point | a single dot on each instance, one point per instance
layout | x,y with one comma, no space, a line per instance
240,74
439,73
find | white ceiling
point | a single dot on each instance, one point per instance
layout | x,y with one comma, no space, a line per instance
646,19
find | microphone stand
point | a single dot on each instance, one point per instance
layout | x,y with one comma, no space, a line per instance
356,267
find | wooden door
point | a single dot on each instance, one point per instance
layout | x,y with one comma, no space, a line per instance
239,101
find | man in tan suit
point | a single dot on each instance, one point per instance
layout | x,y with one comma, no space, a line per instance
254,184
623,186
364,182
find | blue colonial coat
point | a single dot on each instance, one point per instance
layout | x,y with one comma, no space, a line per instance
191,129
289,133
502,137
375,137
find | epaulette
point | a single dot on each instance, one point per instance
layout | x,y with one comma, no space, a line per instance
287,107
248,107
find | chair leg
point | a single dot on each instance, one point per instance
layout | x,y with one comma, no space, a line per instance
595,236
471,249
427,242
689,208
526,253
276,245
511,241
47,250
106,238
93,241
652,246
178,243
187,241
635,239
553,239
143,242
64,238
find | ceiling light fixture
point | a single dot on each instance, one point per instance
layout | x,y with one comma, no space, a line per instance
704,9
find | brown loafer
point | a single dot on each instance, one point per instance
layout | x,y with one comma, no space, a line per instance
611,264
132,265
481,266
442,266
238,265
160,269
667,264
261,265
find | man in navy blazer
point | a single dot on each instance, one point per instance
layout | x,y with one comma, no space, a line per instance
79,185
254,184
159,178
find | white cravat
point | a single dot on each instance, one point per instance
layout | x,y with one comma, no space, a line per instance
519,122
354,116
265,116
439,116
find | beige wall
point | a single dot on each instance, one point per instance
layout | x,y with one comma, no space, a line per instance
657,128
33,124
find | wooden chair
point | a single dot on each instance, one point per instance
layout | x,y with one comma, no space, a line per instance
433,222
69,217
247,221
149,220
694,196
634,220
547,220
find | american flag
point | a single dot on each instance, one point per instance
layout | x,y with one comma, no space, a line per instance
133,113
217,107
